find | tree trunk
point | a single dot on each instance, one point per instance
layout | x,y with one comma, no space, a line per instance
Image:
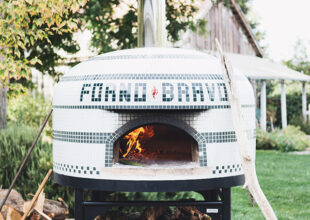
3,106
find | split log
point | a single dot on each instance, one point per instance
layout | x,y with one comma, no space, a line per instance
251,181
55,210
1,216
193,213
152,213
13,214
15,200
38,205
34,199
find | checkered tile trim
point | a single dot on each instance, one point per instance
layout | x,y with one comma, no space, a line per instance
103,138
227,169
81,137
76,169
144,76
226,136
142,107
220,137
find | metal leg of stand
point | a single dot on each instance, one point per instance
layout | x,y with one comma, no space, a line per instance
210,196
227,203
78,206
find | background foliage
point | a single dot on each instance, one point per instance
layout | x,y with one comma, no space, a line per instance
113,23
288,139
15,141
30,111
26,25
301,60
293,105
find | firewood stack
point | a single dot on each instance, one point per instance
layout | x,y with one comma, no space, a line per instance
44,208
158,213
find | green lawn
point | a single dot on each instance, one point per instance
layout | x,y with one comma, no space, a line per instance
285,180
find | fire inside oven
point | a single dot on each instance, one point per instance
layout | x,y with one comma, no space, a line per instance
155,144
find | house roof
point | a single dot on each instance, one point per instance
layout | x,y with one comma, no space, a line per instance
237,12
206,6
264,69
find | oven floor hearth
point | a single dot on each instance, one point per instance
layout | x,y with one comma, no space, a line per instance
158,165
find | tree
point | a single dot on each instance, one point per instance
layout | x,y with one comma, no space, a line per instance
301,60
115,29
39,28
25,24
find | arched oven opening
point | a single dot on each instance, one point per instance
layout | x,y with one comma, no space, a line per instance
156,144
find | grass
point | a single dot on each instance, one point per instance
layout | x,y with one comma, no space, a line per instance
285,180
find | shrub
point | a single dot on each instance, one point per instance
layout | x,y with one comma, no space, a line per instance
299,122
30,111
15,141
288,139
293,105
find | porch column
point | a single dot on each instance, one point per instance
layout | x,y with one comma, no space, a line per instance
254,85
263,106
304,101
283,105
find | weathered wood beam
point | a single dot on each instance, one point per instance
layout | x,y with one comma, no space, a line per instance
248,162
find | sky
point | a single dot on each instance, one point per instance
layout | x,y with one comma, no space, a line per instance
284,22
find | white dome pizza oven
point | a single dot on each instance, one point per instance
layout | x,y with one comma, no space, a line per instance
151,119
135,119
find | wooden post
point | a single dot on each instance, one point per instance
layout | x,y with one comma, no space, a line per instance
3,105
304,101
283,105
263,106
248,163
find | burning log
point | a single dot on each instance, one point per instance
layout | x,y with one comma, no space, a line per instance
134,139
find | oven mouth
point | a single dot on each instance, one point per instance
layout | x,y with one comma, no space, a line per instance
156,146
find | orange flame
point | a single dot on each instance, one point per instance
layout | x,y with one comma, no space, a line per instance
134,138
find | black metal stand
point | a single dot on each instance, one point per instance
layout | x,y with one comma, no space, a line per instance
216,204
